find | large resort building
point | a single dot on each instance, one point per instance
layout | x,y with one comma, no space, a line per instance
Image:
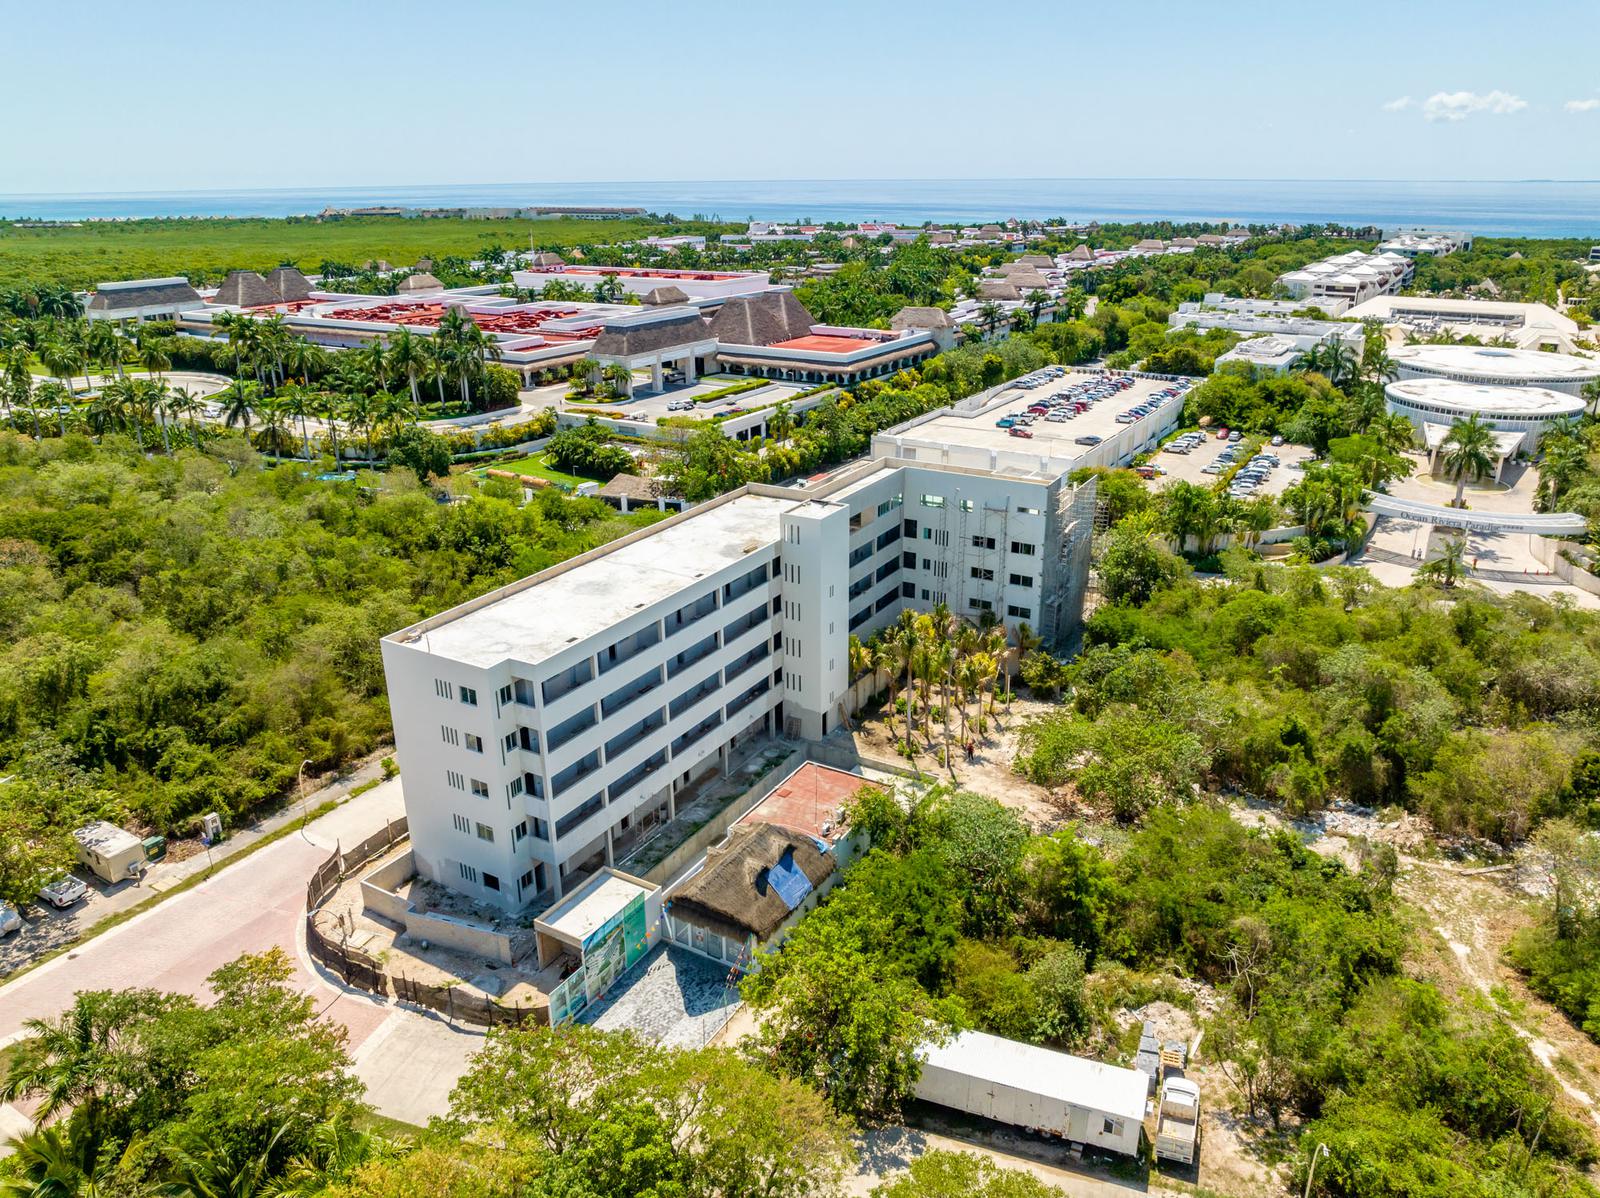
538,724
683,325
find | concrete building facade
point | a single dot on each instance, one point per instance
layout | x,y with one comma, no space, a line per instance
540,725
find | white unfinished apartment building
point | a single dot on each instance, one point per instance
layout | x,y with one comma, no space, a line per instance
537,725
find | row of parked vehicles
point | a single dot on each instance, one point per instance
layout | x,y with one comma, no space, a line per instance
1063,405
1252,475
1157,401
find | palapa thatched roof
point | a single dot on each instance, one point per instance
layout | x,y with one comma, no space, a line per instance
921,318
631,335
1080,253
734,895
419,282
996,289
546,258
154,292
289,285
1044,260
423,263
629,486
244,289
1029,281
762,319
670,294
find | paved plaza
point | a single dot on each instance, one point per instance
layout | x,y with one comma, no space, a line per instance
672,997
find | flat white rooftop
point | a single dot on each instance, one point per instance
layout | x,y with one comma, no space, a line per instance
537,618
1077,1080
1522,403
1489,362
591,907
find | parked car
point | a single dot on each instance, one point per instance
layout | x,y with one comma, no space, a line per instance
1277,438
63,892
1222,434
10,919
1089,440
1019,431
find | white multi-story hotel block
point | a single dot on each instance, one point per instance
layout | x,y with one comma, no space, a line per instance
537,724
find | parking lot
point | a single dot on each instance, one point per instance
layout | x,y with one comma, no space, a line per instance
1192,466
1073,415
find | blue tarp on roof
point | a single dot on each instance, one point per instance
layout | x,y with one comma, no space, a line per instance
789,881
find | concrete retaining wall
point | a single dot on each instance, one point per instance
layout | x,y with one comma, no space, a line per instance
378,897
1548,553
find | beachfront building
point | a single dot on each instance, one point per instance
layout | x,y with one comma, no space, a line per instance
143,299
1354,278
539,724
1413,243
1496,367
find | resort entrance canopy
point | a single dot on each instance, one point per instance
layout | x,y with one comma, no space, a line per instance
1506,445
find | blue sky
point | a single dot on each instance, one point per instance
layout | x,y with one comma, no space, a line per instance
123,97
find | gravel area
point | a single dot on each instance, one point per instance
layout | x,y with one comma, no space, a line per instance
672,997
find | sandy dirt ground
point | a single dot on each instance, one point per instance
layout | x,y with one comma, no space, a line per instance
990,773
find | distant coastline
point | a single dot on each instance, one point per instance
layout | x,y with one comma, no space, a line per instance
1532,208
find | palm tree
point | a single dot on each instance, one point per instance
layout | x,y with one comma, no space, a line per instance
360,412
183,403
436,365
1036,301
617,377
1393,431
276,425
1469,450
781,423
302,357
395,411
376,361
1451,564
213,1169
904,640
990,313
156,358
62,1061
55,396
330,408
407,357
70,1162
236,401
296,401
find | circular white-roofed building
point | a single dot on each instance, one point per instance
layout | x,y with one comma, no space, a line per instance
1496,367
1519,416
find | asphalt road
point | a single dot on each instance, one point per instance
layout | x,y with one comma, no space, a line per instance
247,907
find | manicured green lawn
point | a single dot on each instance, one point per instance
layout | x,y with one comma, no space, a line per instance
538,465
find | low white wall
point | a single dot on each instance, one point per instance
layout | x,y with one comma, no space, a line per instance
379,897
1548,552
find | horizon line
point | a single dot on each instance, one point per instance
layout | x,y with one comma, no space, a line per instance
333,187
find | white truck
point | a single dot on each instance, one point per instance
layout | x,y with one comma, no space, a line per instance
1178,1123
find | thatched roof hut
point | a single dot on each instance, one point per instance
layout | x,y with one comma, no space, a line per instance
289,285
761,319
669,294
752,882
546,258
245,289
629,336
419,282
921,318
1080,253
995,289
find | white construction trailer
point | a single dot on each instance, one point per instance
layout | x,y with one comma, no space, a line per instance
1044,1091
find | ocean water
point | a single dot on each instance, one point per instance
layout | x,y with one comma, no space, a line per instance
1531,208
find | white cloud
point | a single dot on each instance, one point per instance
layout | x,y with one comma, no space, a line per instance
1458,106
1582,105
1398,105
